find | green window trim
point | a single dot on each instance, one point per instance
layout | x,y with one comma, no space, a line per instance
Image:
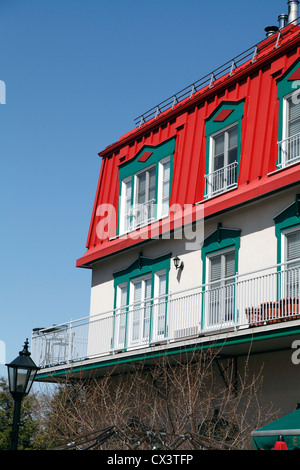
285,87
143,266
289,218
220,240
213,126
134,166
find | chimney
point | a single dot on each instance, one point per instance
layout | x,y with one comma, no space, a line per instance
270,30
293,11
282,19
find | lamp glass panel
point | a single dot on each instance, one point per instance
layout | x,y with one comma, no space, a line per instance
11,378
22,378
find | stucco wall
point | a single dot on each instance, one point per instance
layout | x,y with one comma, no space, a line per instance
258,249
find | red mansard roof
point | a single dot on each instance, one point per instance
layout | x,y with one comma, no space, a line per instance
255,83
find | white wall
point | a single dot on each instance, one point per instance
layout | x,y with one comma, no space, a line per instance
258,249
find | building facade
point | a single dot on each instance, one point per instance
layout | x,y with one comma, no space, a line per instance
194,238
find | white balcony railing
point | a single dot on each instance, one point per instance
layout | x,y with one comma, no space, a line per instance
221,180
262,297
289,151
142,214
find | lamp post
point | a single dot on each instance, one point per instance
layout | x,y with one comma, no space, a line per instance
21,374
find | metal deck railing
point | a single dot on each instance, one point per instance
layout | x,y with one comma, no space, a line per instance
267,296
229,67
221,180
289,151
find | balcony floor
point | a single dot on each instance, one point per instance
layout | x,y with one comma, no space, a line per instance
232,343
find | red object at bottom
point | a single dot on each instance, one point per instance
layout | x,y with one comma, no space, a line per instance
280,445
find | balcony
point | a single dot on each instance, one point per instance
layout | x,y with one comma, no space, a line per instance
141,214
263,297
288,151
221,180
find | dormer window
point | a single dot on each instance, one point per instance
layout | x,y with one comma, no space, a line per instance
145,193
289,147
144,200
223,168
223,134
289,117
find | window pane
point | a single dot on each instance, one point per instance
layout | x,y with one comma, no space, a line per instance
147,308
294,127
141,188
148,288
294,109
294,117
218,162
232,156
293,245
123,296
128,189
232,138
229,264
122,314
292,274
219,144
162,279
166,173
152,177
166,189
162,284
215,268
126,197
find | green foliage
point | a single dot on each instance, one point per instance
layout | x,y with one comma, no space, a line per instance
28,419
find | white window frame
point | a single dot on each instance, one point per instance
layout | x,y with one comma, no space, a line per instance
119,317
135,195
284,236
285,289
123,228
157,204
211,170
160,302
161,163
209,289
155,304
142,339
285,110
285,161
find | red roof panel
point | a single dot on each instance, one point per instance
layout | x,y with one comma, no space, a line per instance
255,82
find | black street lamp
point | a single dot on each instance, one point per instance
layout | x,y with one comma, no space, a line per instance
21,374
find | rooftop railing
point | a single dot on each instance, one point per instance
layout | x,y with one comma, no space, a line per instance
250,55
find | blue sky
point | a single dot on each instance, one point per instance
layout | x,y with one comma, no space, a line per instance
77,73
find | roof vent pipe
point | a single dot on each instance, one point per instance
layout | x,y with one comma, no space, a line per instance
282,19
293,11
270,30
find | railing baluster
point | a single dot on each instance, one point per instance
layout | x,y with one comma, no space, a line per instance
288,151
272,293
221,180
